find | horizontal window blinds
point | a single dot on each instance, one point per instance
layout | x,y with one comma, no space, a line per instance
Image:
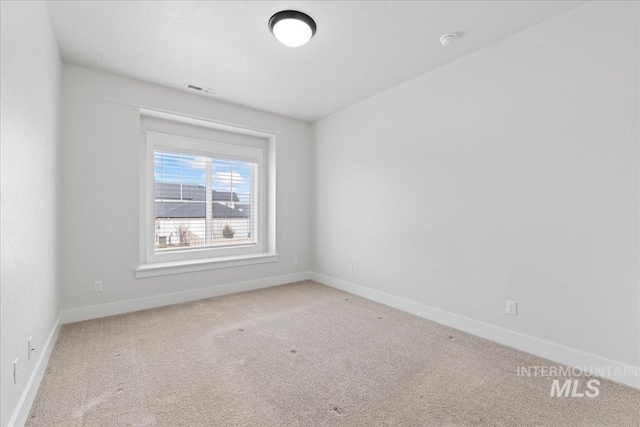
204,201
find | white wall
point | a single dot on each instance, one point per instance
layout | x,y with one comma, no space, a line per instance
30,193
511,173
101,143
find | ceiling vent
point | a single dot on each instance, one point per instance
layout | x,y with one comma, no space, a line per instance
201,89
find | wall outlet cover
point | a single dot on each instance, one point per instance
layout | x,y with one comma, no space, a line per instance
15,371
512,308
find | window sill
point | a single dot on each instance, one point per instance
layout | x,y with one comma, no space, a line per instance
165,268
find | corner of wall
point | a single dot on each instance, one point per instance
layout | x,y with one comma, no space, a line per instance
31,132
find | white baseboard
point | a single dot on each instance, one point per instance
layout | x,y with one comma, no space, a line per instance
21,413
128,306
548,350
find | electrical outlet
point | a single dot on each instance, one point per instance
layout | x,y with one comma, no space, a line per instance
350,269
29,347
97,286
15,371
512,308
295,261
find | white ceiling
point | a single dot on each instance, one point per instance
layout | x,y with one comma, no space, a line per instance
360,48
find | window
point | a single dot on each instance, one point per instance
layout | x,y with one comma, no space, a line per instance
202,201
205,205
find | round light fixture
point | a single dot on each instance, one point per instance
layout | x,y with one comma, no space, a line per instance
292,28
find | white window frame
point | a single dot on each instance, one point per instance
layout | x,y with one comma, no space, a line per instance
154,263
195,147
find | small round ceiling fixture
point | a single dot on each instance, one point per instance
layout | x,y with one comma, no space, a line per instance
292,28
447,39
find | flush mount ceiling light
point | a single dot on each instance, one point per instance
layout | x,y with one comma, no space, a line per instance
292,28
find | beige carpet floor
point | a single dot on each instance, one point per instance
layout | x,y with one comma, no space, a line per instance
300,355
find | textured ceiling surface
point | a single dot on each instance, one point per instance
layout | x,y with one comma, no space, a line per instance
359,50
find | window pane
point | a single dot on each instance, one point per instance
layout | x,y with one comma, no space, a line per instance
233,197
203,201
